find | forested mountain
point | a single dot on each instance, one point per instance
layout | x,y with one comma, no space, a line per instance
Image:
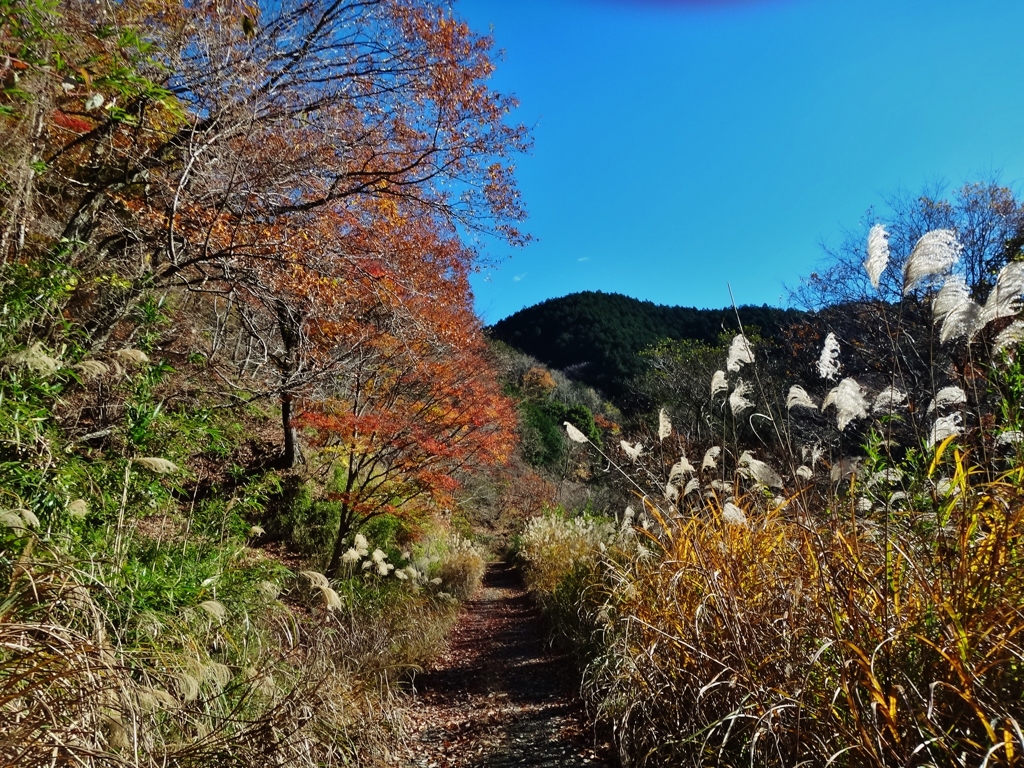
597,337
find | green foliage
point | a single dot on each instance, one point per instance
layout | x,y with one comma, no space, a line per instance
296,515
544,441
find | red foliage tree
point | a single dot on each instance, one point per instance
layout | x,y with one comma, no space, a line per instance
411,415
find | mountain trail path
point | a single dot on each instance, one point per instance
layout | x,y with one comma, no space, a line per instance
499,696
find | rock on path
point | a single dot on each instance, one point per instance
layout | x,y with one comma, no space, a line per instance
499,697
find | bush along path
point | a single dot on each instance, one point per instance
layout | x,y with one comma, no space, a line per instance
499,696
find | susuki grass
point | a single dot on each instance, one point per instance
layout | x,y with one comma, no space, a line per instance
804,601
292,671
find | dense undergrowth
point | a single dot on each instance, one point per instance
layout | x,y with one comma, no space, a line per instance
146,617
828,603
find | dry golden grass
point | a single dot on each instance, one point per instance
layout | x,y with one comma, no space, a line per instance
834,640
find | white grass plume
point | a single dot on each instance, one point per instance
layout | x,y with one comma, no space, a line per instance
955,309
933,256
733,515
945,426
691,486
798,398
37,360
680,469
92,369
948,397
812,454
1010,336
878,254
332,600
738,400
804,472
711,457
844,468
888,400
664,424
18,519
269,589
215,608
719,384
78,509
739,354
1010,437
632,451
158,465
758,471
315,579
828,361
132,356
848,399
574,434
1005,298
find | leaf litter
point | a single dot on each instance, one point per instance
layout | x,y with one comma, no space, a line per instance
500,696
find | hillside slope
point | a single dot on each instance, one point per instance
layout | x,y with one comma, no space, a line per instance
596,337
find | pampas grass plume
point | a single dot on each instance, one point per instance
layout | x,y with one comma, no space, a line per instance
758,471
1005,298
828,361
158,465
1010,336
132,356
738,400
664,424
315,579
574,434
719,384
888,400
933,256
848,399
36,359
711,457
798,398
92,369
954,308
78,508
944,426
733,515
878,254
215,608
948,397
680,468
739,354
633,451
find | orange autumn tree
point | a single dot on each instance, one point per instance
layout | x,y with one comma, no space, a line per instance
418,406
239,125
404,429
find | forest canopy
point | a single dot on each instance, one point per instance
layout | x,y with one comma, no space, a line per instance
598,337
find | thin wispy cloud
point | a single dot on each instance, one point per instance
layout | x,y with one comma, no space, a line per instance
518,278
581,259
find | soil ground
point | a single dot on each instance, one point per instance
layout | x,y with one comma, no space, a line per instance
500,696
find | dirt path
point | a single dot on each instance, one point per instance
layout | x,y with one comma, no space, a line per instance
499,697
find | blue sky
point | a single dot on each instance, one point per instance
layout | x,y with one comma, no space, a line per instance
683,146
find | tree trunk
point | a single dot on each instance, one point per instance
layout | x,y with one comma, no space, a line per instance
344,528
292,453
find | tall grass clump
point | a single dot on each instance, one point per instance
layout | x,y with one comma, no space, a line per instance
836,582
561,557
757,636
460,566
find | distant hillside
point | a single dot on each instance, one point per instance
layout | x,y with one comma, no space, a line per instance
596,337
